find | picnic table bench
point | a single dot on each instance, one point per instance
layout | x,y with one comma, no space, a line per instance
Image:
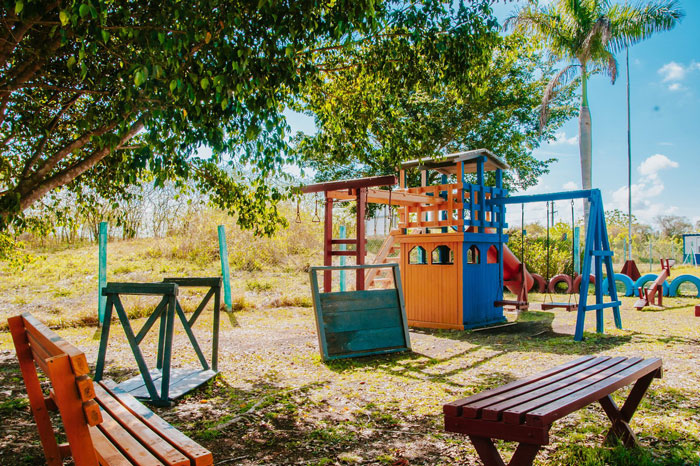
103,425
523,411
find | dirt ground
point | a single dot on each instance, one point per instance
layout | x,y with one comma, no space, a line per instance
275,403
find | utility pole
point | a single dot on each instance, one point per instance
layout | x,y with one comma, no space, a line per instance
629,161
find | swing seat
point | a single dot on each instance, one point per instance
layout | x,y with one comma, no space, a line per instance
567,306
519,305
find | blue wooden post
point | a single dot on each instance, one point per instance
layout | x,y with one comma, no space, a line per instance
225,274
101,271
342,258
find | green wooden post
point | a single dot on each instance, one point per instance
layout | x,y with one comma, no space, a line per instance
577,250
101,272
223,253
342,259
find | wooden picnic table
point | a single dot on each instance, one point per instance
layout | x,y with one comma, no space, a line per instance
523,411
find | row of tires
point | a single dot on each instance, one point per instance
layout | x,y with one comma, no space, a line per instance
563,284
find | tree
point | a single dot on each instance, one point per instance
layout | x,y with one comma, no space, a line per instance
100,95
369,112
588,33
673,226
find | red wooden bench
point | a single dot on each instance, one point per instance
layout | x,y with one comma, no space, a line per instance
102,425
523,411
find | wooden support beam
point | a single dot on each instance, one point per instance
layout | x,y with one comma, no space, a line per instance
327,243
388,180
361,250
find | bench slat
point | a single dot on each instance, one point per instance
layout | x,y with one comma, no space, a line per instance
550,412
522,397
55,345
140,431
132,449
197,454
516,414
492,406
106,452
455,408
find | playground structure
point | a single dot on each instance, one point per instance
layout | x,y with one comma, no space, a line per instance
691,249
453,257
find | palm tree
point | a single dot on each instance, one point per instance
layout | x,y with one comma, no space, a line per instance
588,33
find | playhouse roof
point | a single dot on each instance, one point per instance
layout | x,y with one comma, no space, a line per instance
449,163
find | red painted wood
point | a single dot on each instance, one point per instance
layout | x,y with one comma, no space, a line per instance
361,247
550,412
371,181
521,433
462,407
327,244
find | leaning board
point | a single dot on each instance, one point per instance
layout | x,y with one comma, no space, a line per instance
360,323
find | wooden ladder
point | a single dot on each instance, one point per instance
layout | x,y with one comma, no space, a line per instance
384,256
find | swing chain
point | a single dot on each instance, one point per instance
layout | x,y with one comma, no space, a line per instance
316,218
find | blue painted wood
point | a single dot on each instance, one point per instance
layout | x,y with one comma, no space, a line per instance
558,196
359,323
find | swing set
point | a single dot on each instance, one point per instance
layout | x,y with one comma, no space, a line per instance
568,279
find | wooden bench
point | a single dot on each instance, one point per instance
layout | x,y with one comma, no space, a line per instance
523,411
102,425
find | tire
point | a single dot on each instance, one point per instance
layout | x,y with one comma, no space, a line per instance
578,280
561,278
626,280
679,280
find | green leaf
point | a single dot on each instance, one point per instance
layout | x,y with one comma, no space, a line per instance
224,104
139,78
71,62
204,83
105,35
84,10
19,6
63,16
173,85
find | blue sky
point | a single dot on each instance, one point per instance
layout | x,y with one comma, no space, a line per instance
665,104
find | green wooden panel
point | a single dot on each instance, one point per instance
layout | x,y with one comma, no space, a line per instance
361,320
349,301
365,340
123,288
209,282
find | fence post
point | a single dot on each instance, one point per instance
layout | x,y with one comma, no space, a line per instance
223,254
342,259
101,271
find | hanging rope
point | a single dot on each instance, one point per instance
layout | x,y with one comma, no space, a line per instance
316,218
298,219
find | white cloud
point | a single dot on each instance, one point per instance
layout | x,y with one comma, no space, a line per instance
645,205
672,71
676,87
570,186
560,138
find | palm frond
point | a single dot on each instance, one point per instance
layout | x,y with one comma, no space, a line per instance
563,77
600,32
632,24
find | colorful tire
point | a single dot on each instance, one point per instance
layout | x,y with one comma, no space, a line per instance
626,280
577,283
679,280
649,278
555,280
538,283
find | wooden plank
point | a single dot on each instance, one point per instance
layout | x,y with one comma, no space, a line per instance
493,408
91,410
208,282
348,301
592,392
140,288
34,392
371,181
140,431
129,446
106,452
457,407
136,382
364,340
518,433
364,319
197,454
191,381
55,345
182,381
515,415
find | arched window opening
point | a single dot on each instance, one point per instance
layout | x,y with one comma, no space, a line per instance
443,255
492,255
417,256
473,256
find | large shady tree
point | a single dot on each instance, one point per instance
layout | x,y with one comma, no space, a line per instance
98,95
588,34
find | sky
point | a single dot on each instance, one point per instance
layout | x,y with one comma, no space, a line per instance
665,121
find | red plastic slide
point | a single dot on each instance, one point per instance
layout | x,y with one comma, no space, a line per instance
511,271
